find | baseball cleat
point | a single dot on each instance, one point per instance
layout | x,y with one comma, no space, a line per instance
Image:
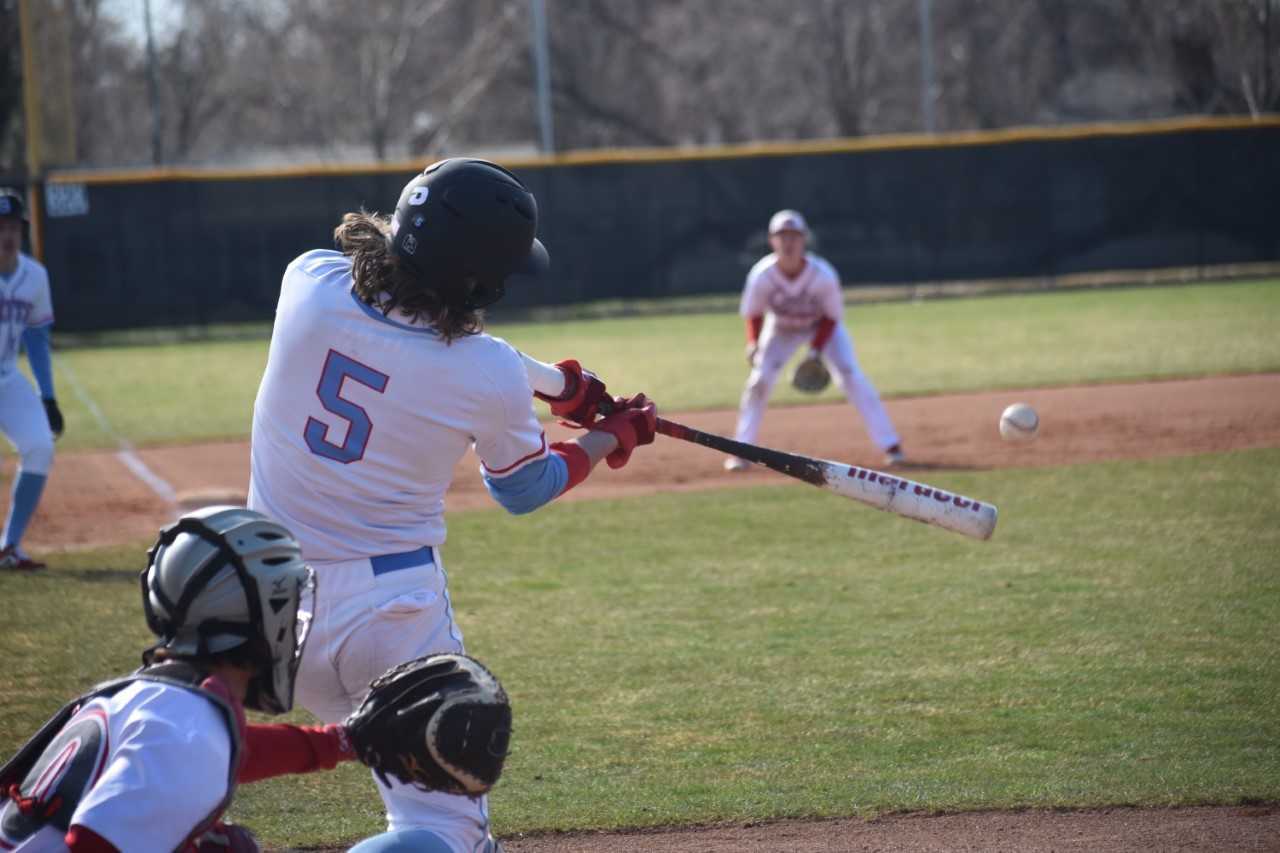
733,463
894,455
11,558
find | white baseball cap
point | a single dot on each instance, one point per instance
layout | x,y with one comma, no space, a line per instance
787,220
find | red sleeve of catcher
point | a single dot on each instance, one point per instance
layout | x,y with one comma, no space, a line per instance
82,839
280,749
754,325
825,327
576,458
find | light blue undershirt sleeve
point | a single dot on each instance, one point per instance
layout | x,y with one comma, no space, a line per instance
534,485
36,340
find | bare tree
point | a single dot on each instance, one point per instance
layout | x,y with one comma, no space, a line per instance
245,80
109,95
607,61
11,122
397,74
202,73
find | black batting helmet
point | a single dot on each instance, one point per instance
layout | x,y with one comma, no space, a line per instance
11,205
464,226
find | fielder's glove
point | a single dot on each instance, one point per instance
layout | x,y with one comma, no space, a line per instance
440,722
811,375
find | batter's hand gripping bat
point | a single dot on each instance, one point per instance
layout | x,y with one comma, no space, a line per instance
887,492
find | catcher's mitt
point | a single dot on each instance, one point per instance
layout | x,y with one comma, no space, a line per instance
440,723
811,375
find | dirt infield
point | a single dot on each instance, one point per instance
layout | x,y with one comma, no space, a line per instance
93,499
1230,830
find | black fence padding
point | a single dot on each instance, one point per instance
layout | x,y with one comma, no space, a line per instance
179,252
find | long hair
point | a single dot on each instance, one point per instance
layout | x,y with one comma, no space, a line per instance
248,655
382,282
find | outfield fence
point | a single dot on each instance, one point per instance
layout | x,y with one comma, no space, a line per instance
184,247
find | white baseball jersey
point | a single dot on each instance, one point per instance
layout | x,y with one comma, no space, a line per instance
24,303
797,303
361,419
153,761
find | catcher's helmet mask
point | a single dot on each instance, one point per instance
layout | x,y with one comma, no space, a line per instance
464,226
198,615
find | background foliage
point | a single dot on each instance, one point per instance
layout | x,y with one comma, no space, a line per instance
287,81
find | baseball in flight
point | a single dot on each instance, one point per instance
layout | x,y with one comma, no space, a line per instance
1019,422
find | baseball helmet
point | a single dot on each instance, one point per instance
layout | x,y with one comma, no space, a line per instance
464,226
222,577
12,205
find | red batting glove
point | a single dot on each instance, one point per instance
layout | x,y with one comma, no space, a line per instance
634,422
579,403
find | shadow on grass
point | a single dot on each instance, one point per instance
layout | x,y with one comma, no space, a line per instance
921,465
129,576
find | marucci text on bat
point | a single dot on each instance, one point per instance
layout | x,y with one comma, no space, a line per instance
923,491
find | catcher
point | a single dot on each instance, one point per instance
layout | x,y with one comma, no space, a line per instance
150,761
792,296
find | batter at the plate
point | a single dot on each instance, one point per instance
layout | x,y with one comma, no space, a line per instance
378,381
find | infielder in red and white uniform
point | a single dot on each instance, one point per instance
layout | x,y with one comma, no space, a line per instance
31,422
792,297
149,762
377,383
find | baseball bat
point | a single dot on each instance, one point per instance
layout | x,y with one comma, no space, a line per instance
897,495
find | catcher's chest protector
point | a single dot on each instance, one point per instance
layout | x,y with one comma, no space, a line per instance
63,761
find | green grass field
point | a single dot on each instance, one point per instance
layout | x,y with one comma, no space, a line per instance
731,656
1114,643
192,392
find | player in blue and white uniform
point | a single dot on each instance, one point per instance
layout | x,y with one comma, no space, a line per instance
30,422
378,381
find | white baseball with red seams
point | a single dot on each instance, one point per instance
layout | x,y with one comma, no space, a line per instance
1019,422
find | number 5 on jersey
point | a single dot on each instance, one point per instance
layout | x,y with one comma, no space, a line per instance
337,369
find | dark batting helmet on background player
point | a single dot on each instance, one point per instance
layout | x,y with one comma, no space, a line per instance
379,380
12,205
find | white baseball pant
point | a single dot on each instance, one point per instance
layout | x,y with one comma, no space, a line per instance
23,421
364,624
776,347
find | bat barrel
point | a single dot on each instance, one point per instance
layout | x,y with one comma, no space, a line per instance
898,495
919,501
